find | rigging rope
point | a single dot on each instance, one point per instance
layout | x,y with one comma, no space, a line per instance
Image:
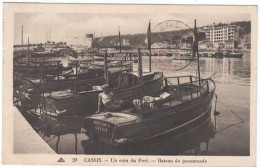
184,66
231,125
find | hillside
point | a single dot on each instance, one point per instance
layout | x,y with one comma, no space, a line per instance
137,40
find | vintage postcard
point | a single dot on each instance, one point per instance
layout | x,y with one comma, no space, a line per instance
129,85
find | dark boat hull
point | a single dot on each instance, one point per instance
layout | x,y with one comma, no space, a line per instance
177,142
239,55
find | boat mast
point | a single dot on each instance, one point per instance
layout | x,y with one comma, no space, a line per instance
76,78
149,46
196,50
93,47
140,80
119,39
28,51
22,36
105,68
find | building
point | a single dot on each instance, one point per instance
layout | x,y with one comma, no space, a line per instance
125,42
184,45
224,36
246,41
159,45
205,44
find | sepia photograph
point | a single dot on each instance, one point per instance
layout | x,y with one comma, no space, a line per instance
129,84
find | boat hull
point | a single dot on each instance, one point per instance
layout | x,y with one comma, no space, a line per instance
233,55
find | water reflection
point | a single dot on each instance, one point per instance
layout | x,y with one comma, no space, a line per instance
226,70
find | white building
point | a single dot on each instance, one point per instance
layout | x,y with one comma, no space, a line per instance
226,36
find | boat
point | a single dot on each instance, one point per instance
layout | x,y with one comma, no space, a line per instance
168,110
47,82
126,65
181,101
125,86
70,108
198,135
233,54
36,71
217,55
183,56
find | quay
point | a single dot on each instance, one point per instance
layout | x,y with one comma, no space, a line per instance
26,139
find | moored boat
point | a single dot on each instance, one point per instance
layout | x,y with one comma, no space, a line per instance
233,54
183,56
125,86
166,111
217,55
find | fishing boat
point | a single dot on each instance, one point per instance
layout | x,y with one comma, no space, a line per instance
201,132
183,56
168,110
128,66
36,71
182,101
125,86
233,54
217,55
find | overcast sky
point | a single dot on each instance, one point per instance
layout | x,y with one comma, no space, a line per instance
38,25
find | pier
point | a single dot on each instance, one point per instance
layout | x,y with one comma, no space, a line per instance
26,139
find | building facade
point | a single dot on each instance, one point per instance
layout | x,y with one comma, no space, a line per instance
224,37
246,41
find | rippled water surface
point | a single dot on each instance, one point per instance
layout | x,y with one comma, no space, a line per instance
231,137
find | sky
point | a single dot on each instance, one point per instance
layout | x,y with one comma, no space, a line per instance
40,27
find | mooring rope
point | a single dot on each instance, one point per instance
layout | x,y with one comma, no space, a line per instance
111,140
234,124
183,67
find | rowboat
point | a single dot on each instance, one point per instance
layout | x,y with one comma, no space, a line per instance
168,110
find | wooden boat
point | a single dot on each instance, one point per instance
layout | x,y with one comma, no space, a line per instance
201,132
65,107
126,65
37,61
183,56
233,54
125,86
31,89
175,107
38,71
94,76
217,55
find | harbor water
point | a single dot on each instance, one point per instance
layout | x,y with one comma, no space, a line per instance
225,135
